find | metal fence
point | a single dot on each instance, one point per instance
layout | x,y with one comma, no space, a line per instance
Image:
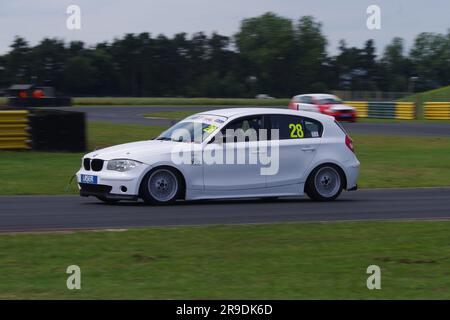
370,95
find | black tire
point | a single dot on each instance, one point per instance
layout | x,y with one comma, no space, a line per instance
317,187
106,200
161,180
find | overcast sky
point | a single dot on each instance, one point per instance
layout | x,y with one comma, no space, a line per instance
105,19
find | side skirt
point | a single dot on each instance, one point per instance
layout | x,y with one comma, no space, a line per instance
278,191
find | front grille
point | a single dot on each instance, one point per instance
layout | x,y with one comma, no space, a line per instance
95,188
94,164
97,164
87,164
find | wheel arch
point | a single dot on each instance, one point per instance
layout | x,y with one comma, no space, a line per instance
169,167
333,164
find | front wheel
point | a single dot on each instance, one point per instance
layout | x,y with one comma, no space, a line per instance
161,186
324,183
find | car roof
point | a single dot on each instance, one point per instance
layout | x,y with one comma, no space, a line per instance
317,95
239,112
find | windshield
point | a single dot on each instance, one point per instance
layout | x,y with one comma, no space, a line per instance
329,101
193,129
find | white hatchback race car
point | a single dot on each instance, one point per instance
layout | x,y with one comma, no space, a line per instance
228,153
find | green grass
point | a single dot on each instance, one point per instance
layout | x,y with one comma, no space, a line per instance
397,161
279,261
104,134
386,161
436,95
178,101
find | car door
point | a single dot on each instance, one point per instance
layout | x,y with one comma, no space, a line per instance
306,104
231,175
299,139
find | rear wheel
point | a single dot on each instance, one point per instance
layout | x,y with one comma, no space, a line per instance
161,186
325,183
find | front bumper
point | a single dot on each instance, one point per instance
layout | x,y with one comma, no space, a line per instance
343,116
113,184
103,191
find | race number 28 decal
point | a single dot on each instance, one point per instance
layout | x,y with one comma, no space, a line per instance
296,130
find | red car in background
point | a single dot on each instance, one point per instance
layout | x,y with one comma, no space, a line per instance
323,103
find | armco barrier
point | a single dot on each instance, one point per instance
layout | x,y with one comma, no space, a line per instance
437,110
384,110
13,129
405,110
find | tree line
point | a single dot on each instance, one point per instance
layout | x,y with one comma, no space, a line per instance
269,54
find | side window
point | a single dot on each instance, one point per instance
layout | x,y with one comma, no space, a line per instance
254,124
295,127
307,99
313,128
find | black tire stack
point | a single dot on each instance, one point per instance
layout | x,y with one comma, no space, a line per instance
57,130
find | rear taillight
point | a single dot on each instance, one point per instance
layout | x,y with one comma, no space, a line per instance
292,105
349,143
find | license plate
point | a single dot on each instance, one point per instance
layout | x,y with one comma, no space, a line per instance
85,178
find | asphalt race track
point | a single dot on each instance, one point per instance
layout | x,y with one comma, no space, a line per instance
133,115
47,213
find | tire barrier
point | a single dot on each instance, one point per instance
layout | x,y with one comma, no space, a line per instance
437,110
13,130
43,130
56,130
384,110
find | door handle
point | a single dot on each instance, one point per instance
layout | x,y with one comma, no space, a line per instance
308,149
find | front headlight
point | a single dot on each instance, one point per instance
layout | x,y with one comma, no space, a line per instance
122,164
